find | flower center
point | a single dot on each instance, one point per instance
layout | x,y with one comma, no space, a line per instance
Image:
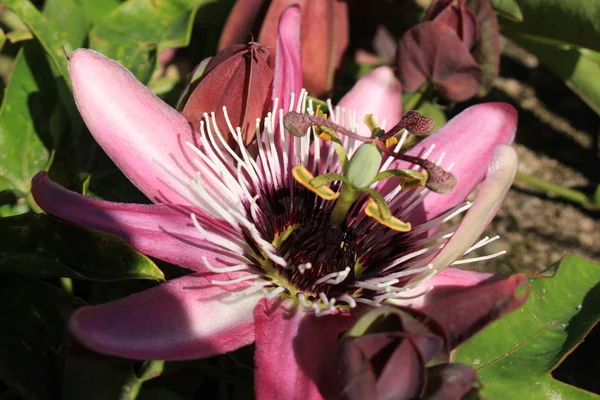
322,257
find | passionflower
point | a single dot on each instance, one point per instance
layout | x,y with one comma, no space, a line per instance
277,260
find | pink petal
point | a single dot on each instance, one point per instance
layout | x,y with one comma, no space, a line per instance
488,200
185,318
288,60
160,231
445,283
378,93
468,140
144,136
296,353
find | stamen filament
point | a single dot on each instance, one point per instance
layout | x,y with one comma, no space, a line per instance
475,259
333,278
237,280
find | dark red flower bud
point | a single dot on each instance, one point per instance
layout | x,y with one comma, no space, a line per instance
385,354
457,48
239,78
324,34
459,17
449,381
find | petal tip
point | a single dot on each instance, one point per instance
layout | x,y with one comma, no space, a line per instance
84,58
79,326
504,158
507,110
502,113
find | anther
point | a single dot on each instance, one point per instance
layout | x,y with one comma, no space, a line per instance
439,181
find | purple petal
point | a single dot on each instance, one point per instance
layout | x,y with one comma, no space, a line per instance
288,60
185,318
407,383
160,230
144,136
433,51
378,93
468,140
296,353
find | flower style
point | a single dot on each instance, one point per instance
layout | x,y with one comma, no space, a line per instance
272,265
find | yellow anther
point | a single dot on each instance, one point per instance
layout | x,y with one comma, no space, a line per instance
389,142
376,131
370,122
413,179
372,210
303,177
323,133
319,112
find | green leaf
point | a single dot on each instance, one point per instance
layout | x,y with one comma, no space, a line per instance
576,22
579,68
33,317
95,10
67,19
45,247
24,119
60,31
508,8
49,38
133,32
516,354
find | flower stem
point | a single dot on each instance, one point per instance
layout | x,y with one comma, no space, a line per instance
133,384
556,190
416,99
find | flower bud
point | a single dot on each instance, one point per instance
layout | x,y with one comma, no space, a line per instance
324,34
387,351
384,355
457,49
239,78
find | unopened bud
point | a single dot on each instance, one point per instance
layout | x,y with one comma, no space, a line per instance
238,78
